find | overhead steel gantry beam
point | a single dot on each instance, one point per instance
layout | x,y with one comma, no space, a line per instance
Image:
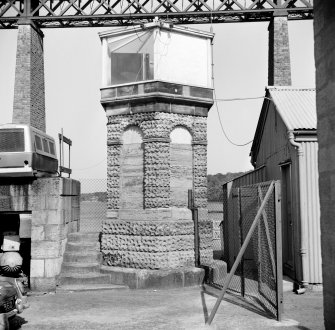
89,13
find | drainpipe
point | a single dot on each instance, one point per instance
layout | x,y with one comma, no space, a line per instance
302,209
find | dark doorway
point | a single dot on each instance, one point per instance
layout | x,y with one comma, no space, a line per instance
287,221
10,225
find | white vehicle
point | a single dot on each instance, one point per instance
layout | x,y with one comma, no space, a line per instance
26,152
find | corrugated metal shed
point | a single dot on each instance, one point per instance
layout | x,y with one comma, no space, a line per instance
272,147
296,106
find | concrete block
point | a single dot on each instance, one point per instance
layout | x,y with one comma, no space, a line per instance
76,187
51,217
75,200
46,186
194,276
39,217
37,233
53,202
121,276
151,279
53,267
66,202
43,284
45,249
39,202
37,268
160,279
69,187
55,217
52,232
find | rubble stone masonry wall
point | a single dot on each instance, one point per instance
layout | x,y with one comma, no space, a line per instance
160,235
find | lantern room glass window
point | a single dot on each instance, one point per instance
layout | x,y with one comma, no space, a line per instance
130,58
138,54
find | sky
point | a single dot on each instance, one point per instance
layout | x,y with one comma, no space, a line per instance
72,65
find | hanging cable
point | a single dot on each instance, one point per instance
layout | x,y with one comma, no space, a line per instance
223,131
234,99
226,100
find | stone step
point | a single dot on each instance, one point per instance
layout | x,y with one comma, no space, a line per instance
87,257
81,247
90,287
83,279
83,237
78,267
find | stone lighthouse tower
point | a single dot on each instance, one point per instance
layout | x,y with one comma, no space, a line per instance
157,91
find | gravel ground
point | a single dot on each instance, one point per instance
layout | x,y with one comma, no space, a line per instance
162,309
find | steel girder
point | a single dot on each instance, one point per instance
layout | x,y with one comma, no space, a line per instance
90,13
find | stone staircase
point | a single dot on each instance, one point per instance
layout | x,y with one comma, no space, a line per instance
81,265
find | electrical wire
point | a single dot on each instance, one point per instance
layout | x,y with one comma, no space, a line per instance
227,100
224,132
234,99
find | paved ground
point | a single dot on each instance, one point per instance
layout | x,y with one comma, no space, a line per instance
162,309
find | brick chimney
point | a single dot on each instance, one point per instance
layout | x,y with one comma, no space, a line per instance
29,92
279,65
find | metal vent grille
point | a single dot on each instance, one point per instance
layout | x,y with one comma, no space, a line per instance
12,140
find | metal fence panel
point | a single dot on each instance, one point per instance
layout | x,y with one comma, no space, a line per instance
215,214
258,277
93,204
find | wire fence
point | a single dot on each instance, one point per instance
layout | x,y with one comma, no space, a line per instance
215,214
93,204
258,274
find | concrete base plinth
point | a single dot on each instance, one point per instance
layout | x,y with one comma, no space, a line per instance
158,279
43,284
216,272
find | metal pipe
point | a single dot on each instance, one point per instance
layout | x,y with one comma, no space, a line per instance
62,148
302,210
196,237
196,227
